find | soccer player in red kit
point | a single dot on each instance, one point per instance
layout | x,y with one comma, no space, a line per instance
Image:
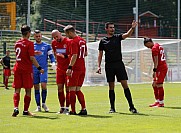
23,70
159,71
76,69
60,47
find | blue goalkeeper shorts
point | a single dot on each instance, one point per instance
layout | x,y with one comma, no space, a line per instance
39,78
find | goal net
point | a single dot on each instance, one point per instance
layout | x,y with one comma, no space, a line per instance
138,61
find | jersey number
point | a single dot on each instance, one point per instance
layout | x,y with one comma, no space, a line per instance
18,51
162,55
82,49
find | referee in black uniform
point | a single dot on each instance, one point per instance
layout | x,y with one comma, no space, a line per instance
114,66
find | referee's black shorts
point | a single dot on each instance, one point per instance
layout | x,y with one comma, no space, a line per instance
115,69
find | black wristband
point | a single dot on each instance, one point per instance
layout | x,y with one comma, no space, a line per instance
39,68
154,69
69,67
132,28
65,56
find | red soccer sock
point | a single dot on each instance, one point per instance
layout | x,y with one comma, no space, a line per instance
27,100
67,98
161,93
81,99
16,99
156,93
72,100
61,98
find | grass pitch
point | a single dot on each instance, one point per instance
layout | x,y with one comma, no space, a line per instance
156,120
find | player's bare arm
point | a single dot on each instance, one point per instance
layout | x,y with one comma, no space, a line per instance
99,62
35,63
73,59
55,55
72,62
1,61
86,53
130,31
155,62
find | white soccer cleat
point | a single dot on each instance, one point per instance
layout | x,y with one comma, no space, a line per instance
66,111
38,109
45,107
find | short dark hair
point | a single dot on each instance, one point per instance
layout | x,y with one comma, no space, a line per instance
25,29
146,39
37,31
107,24
69,28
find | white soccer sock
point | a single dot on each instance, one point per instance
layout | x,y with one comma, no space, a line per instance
157,100
161,102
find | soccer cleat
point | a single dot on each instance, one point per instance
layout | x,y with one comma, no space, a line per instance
45,107
133,110
72,113
16,112
38,109
28,113
112,111
83,112
62,109
6,88
155,104
66,111
160,105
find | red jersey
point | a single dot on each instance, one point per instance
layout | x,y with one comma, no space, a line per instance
24,49
78,46
158,50
62,48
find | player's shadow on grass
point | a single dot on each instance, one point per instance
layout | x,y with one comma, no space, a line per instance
50,112
45,117
133,114
95,116
38,116
172,107
141,114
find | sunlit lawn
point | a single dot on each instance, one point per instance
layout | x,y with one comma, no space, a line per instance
157,120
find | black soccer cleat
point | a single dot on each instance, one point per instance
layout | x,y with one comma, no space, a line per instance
72,113
16,112
133,110
27,113
112,111
83,112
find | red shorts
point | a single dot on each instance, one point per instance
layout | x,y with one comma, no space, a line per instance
61,76
7,72
160,75
76,79
23,79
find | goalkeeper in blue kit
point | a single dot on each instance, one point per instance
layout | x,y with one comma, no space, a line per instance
42,52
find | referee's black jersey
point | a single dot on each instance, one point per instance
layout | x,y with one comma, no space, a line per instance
6,61
112,48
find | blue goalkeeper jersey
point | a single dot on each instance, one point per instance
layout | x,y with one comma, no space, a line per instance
44,51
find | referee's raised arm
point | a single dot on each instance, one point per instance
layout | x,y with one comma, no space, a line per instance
130,31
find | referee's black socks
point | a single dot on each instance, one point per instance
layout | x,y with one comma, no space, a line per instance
112,98
127,94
